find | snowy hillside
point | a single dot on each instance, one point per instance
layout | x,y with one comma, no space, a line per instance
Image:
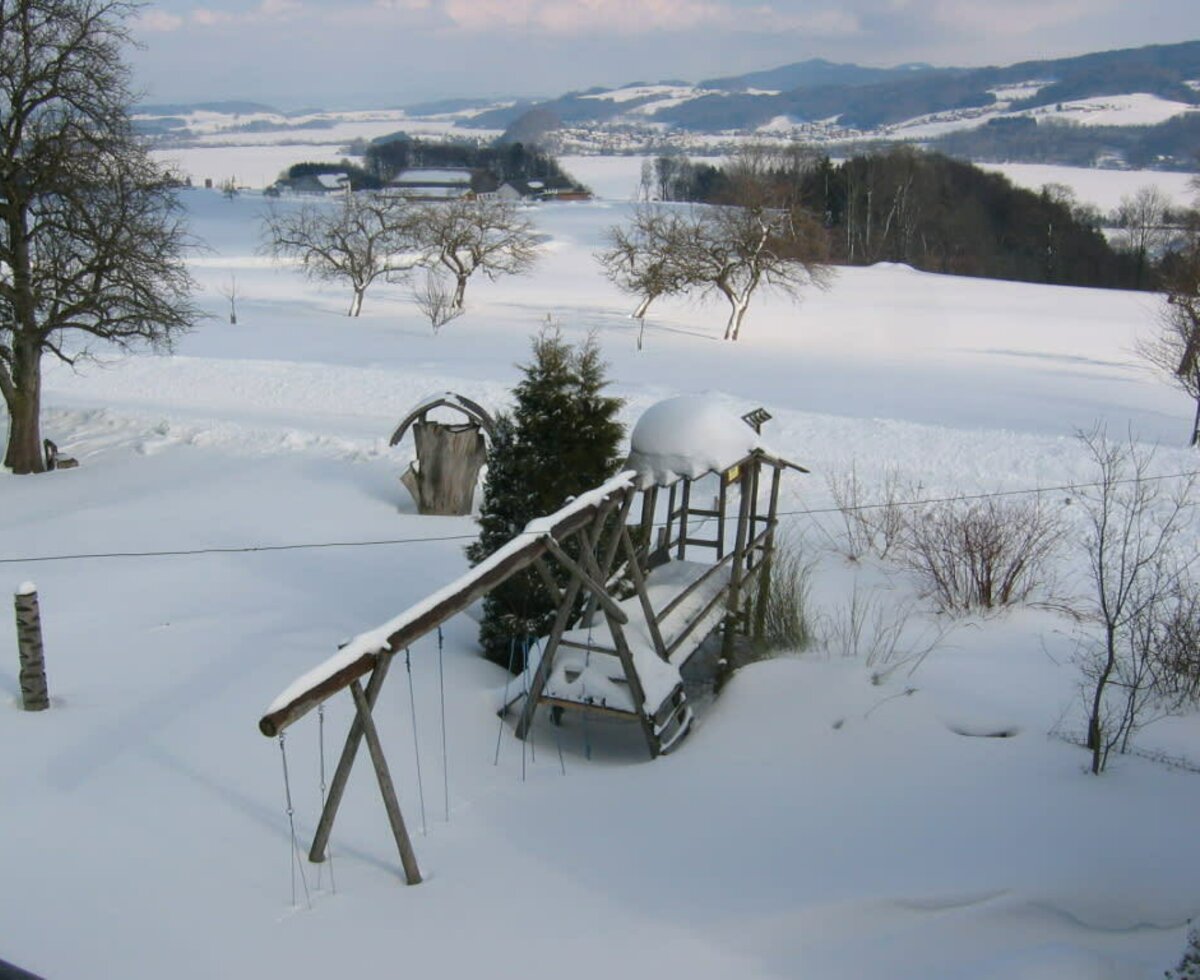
824,819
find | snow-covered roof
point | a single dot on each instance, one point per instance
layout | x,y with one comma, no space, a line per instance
333,181
688,436
433,175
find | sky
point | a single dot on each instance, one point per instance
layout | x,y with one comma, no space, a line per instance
374,53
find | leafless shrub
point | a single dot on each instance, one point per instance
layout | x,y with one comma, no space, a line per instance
872,522
878,632
981,554
435,299
1141,599
1177,652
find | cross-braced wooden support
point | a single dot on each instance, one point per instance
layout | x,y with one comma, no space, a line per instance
644,640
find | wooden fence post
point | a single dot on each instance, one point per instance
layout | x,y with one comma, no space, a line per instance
34,694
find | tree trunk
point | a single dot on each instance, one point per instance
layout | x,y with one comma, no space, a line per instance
642,307
356,303
1196,426
24,452
736,315
460,289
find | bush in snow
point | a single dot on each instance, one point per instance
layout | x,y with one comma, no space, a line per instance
1138,658
981,554
561,438
786,620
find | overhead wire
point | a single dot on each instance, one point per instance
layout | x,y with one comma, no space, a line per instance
442,538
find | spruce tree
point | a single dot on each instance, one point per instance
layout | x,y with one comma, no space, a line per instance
561,439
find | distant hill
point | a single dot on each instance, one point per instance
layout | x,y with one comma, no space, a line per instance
230,108
814,72
1155,89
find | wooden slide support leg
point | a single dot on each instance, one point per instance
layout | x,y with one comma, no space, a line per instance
338,786
408,859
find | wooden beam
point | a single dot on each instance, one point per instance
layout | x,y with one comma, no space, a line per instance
408,859
341,775
735,571
639,584
471,588
595,588
547,578
542,674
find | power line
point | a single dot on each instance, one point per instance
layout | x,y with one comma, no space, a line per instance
434,539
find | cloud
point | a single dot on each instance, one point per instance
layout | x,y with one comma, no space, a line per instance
639,16
1015,17
159,21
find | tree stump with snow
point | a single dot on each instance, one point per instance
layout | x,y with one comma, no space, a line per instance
35,694
442,478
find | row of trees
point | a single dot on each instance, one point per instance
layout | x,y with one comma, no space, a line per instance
367,236
384,158
922,209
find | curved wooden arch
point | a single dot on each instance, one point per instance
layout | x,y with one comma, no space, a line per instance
471,409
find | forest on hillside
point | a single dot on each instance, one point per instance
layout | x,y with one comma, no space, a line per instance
922,209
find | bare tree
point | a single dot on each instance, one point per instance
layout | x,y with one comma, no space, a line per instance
435,299
1137,562
91,235
1142,220
1175,349
358,238
728,250
643,259
735,250
230,292
466,236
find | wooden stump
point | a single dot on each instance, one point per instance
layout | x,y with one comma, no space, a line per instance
34,693
449,457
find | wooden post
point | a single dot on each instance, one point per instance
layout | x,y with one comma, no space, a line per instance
337,787
684,507
449,458
408,859
34,693
768,559
732,610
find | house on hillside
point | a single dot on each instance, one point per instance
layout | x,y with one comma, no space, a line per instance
335,183
433,183
520,190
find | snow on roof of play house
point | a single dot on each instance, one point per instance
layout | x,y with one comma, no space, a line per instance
688,436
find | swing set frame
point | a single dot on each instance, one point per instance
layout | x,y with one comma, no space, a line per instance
595,526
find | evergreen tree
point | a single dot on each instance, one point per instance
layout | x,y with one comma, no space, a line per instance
561,439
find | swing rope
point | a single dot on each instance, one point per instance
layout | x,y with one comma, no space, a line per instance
537,644
525,689
412,704
512,649
442,696
324,788
296,863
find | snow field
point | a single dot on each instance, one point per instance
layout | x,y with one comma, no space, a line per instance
814,824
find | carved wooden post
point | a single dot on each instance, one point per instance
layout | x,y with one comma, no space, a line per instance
449,458
34,694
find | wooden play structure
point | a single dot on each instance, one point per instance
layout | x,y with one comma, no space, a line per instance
656,559
449,455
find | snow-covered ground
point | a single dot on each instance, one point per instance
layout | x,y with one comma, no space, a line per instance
815,824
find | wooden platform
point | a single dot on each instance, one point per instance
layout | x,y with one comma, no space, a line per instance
587,674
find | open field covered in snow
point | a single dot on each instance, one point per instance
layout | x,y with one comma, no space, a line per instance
823,820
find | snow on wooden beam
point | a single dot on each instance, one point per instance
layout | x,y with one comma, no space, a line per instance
358,657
